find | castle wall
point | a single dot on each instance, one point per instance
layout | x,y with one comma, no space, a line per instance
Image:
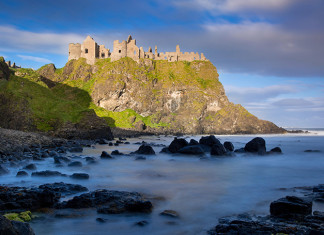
74,51
91,51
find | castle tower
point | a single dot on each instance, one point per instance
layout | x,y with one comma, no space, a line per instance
74,51
90,50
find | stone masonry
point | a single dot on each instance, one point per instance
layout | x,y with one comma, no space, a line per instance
91,51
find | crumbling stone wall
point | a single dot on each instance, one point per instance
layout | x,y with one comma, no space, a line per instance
91,51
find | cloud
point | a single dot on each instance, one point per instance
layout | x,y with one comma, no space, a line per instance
255,95
35,59
234,5
293,103
13,39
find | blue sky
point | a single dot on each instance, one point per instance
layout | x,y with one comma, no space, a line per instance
269,53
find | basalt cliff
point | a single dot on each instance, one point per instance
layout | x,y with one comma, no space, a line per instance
147,95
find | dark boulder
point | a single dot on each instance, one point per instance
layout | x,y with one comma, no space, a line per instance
229,146
256,145
80,176
192,149
105,155
276,150
140,158
193,142
209,140
116,152
218,150
145,149
119,206
102,141
8,227
22,174
60,159
47,173
291,207
177,144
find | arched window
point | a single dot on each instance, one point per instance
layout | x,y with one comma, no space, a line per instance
86,51
119,51
102,55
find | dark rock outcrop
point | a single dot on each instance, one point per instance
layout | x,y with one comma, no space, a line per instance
63,188
177,144
105,155
217,150
229,146
22,199
111,202
291,207
256,145
47,173
145,150
8,227
4,69
80,176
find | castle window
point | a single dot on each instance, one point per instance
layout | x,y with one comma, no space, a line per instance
119,51
102,55
86,51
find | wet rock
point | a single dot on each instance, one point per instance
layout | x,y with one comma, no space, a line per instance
276,150
209,140
21,198
47,173
8,227
75,164
89,159
177,144
111,202
165,150
192,149
76,149
126,142
170,213
256,145
22,174
111,144
116,152
141,223
116,144
3,170
80,176
193,142
218,150
45,155
105,155
64,188
229,146
145,149
291,207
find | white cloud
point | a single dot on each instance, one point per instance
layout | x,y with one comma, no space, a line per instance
234,5
35,59
13,39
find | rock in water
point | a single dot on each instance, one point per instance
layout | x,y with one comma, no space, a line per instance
256,145
291,207
3,170
229,146
170,213
8,227
192,149
21,173
209,140
47,173
105,155
80,176
145,149
218,150
177,144
276,150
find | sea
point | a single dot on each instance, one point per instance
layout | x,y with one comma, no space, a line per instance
200,190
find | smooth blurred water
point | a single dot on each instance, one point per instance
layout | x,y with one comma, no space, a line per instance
200,190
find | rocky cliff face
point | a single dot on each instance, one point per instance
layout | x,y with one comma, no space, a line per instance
159,96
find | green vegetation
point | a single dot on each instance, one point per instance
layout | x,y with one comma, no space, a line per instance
22,217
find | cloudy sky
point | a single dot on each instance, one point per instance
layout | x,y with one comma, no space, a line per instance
269,53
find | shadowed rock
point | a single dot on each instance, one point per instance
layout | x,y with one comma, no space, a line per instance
145,150
256,145
177,144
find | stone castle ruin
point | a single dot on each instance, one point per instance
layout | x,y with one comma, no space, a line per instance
91,51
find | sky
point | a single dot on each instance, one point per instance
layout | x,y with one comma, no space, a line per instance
269,53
